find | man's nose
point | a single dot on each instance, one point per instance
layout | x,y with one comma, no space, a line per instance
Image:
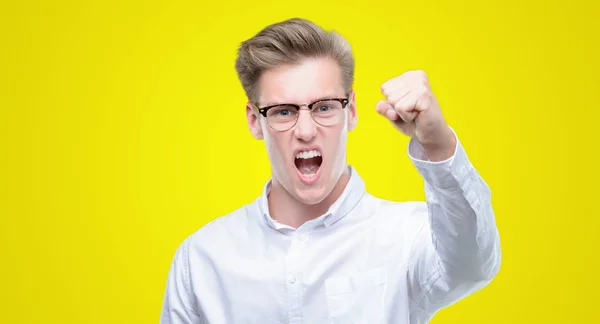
306,129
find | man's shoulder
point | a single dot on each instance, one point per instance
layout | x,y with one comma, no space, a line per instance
397,223
216,238
225,227
404,214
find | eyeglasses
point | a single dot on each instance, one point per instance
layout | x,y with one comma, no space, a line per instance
325,112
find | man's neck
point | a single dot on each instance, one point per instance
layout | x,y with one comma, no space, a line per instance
286,209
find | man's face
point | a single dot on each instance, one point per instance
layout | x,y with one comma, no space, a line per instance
294,153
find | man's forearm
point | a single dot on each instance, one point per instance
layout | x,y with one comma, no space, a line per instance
461,216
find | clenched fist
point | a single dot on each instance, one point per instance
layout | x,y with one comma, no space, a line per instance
411,106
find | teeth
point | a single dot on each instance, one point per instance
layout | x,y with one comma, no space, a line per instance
308,154
308,175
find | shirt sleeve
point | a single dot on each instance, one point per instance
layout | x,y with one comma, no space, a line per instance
178,305
457,251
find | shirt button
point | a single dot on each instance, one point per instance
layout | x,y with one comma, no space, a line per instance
292,279
303,237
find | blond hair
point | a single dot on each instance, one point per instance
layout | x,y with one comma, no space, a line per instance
289,42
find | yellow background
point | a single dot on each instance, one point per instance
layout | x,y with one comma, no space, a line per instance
122,131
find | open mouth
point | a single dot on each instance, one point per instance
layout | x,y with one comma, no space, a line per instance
308,163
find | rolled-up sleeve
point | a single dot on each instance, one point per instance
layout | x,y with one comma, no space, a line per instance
457,250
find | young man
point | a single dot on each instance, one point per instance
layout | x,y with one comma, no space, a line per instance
315,247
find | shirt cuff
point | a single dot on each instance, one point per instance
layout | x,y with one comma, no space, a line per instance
442,174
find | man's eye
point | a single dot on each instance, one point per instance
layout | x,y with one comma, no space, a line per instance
324,108
283,112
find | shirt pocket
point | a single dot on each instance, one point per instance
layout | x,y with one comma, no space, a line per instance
357,298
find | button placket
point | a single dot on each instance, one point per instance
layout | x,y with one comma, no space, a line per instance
294,278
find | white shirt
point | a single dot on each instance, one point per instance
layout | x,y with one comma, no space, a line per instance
366,260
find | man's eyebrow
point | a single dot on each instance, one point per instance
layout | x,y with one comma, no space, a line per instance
273,103
327,97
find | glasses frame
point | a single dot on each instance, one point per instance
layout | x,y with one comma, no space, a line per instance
263,111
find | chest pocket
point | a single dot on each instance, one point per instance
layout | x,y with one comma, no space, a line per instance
357,298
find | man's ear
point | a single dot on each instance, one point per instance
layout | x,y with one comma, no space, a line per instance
352,115
253,121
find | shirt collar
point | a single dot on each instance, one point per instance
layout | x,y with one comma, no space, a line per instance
353,192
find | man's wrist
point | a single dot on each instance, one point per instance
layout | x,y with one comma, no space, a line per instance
442,148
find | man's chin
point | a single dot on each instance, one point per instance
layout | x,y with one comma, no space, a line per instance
311,196
314,193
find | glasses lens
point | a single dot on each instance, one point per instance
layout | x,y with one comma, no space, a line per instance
282,117
327,112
